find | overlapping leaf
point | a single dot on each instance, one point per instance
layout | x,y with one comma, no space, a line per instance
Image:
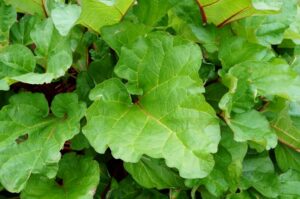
79,179
169,116
153,173
31,137
230,10
98,13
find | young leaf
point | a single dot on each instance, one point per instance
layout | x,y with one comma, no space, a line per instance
65,17
163,68
20,31
31,137
15,60
53,51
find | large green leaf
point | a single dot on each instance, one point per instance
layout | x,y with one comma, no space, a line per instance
98,13
170,115
79,179
31,137
153,173
252,126
230,10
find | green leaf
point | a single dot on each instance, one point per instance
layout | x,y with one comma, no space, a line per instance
153,173
267,29
150,12
258,172
98,13
293,32
123,33
8,16
230,10
53,51
287,158
289,185
164,66
79,179
31,137
65,17
285,127
252,126
185,19
128,189
267,78
15,60
28,6
20,31
243,51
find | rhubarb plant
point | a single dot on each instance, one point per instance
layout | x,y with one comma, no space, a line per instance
172,99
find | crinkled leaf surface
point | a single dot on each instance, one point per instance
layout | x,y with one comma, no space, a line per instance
98,13
31,137
79,175
165,119
153,173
